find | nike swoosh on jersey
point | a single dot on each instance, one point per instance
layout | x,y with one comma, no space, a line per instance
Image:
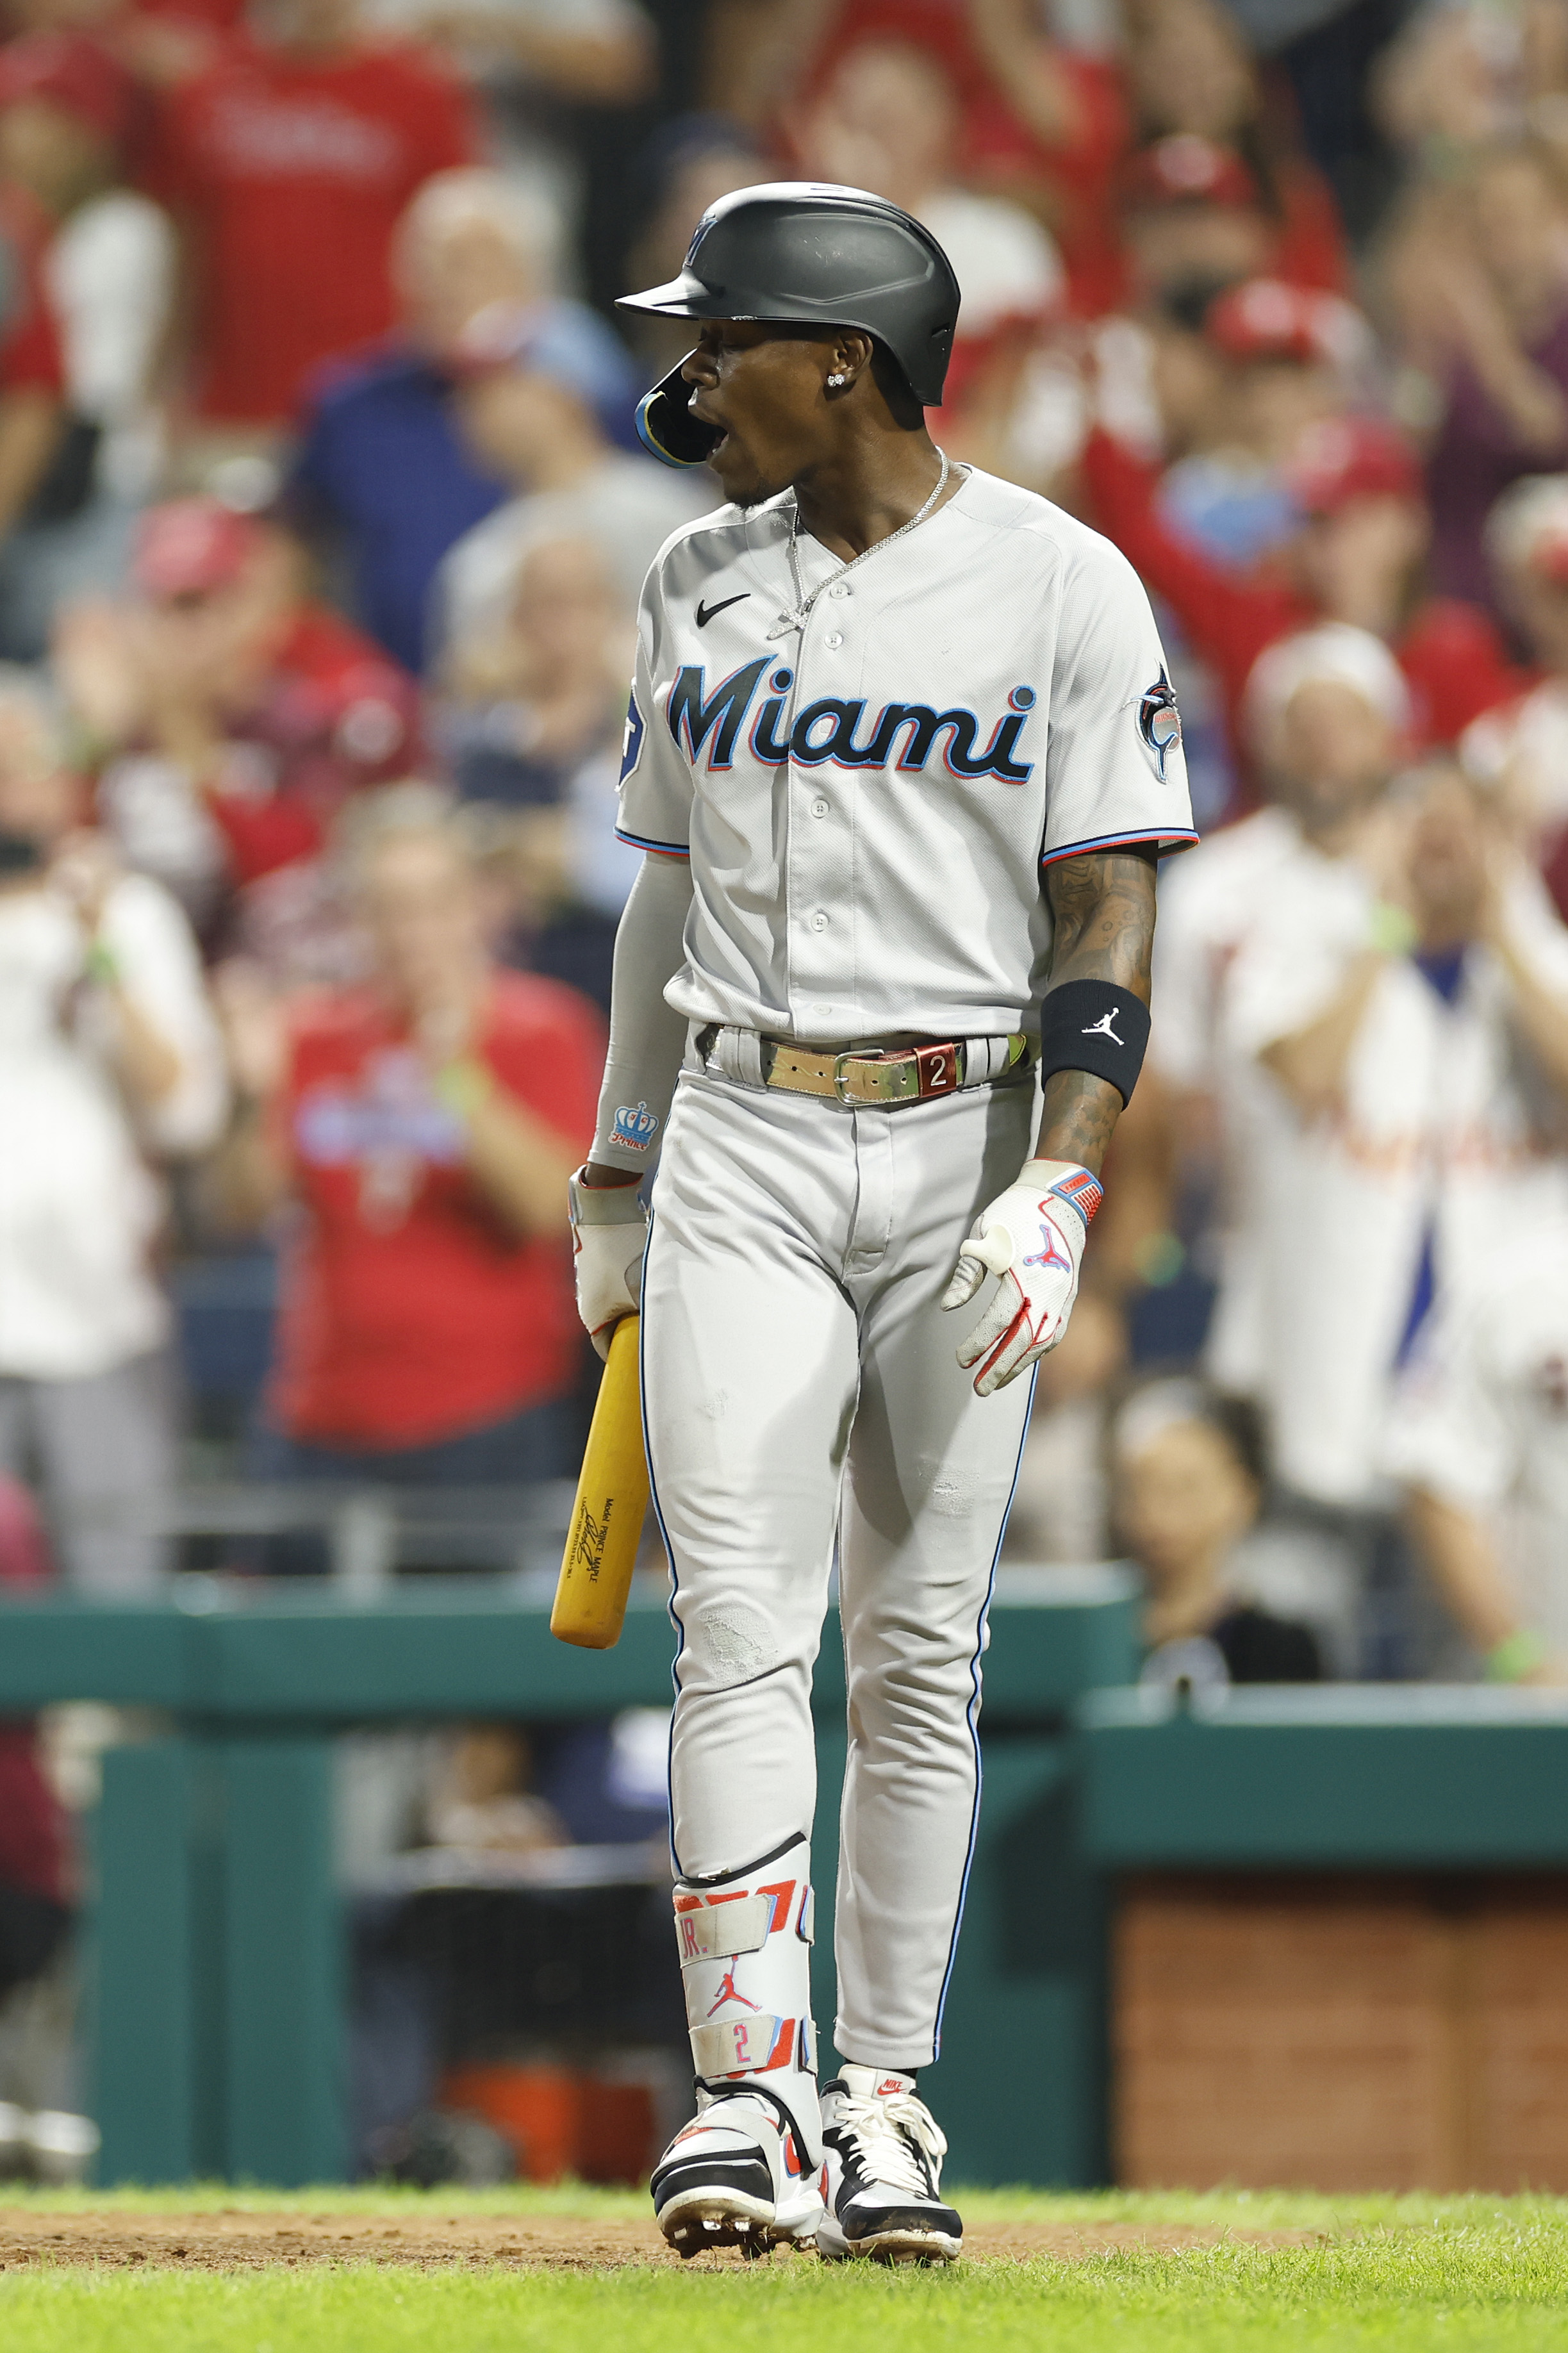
705,612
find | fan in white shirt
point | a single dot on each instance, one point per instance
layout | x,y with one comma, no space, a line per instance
1402,997
109,1058
1328,709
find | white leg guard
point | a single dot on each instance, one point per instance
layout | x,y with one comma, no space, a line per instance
748,2170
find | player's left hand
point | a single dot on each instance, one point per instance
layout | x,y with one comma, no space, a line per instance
1032,1237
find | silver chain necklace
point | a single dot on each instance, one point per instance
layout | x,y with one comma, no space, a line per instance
798,616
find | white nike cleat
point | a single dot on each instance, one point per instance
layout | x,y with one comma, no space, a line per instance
738,2176
884,2158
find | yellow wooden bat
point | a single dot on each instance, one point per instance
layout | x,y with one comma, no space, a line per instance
607,1516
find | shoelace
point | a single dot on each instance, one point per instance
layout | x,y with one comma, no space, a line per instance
885,2129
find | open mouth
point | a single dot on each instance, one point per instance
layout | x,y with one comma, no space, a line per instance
703,417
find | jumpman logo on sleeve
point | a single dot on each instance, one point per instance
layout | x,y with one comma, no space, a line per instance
1103,1029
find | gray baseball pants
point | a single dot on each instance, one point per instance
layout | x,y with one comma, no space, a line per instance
802,1398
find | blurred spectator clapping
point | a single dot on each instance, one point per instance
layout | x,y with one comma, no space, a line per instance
232,717
109,1061
429,1120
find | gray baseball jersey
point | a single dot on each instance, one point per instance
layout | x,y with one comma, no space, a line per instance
867,799
865,782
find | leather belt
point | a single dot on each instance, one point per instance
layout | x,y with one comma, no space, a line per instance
888,1076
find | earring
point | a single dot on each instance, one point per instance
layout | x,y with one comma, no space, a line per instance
837,379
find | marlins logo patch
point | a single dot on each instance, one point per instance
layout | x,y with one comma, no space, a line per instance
1159,722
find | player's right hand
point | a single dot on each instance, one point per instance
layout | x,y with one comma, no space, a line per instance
609,1235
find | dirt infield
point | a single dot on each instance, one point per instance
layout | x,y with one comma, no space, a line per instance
237,2239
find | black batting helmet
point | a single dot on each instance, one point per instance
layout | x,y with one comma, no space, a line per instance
805,251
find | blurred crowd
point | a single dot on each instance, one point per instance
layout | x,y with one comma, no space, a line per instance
322,519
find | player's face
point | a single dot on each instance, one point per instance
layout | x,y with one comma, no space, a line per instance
763,387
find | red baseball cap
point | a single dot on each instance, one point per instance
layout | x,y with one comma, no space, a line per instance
1347,457
1186,169
74,72
1267,319
187,547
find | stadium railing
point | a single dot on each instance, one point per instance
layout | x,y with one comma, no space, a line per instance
216,1945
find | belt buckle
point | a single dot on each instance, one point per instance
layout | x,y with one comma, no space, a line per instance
884,1078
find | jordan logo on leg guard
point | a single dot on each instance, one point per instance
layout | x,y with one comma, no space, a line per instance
729,1991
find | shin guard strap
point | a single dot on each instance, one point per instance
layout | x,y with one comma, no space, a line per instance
743,2046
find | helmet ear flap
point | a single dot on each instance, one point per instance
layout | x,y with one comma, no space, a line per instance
665,427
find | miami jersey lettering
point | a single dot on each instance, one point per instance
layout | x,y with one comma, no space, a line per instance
902,734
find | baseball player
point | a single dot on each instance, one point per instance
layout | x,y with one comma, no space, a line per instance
901,754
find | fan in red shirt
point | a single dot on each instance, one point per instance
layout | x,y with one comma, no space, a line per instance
233,716
426,1124
1357,558
288,165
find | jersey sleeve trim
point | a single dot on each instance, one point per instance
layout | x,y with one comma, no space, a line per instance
1172,837
659,849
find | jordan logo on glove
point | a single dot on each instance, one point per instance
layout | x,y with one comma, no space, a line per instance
1050,1255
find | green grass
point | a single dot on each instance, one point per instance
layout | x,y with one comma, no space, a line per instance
1400,2275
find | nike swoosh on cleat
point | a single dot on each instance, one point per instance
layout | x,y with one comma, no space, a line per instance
705,612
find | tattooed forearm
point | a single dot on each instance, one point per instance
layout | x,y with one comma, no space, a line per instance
1077,1118
1103,913
1103,909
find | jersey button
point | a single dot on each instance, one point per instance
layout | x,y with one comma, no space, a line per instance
840,590
819,808
819,922
833,641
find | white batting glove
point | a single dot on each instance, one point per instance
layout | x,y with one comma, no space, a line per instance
609,1235
1032,1236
